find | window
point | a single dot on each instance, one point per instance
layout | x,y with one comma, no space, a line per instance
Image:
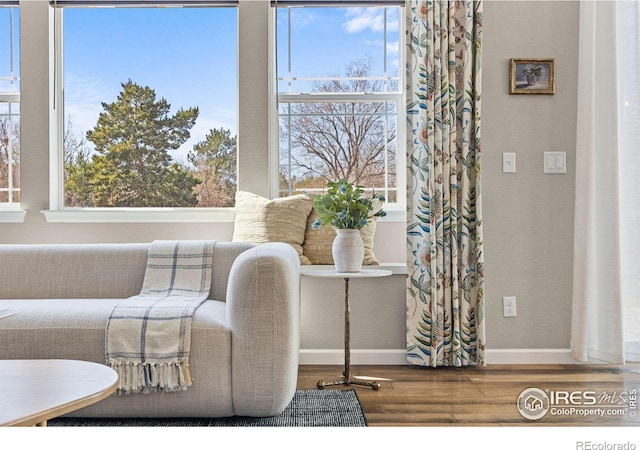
339,76
149,106
9,107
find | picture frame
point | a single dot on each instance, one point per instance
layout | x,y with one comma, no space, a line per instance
532,76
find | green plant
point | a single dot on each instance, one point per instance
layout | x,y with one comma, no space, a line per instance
344,206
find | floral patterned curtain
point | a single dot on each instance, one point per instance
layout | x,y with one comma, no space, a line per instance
445,299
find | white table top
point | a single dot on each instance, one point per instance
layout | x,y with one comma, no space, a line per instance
331,273
33,391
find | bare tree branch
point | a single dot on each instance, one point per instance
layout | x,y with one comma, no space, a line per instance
334,140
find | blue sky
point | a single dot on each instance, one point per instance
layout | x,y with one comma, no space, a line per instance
188,55
325,40
164,49
5,46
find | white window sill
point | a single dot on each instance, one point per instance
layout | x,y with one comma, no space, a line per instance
133,215
149,215
10,215
394,215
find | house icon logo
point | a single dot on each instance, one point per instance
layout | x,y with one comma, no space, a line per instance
533,403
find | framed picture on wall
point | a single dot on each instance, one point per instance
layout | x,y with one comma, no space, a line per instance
532,76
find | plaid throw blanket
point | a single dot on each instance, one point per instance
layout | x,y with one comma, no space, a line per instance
148,336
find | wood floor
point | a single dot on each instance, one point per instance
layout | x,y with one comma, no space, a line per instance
487,396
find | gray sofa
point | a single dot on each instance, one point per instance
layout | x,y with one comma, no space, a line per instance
245,338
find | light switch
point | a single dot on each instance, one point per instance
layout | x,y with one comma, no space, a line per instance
555,162
508,162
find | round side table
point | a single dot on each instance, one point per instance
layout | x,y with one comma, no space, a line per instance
330,273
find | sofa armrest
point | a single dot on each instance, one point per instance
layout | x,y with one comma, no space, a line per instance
263,312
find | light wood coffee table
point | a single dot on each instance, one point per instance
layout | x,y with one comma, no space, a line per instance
33,391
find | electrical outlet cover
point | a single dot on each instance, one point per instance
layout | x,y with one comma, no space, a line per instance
509,306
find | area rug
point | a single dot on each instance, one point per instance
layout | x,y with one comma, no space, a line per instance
309,408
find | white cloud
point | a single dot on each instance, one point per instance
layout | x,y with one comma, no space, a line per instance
83,99
361,19
393,48
302,18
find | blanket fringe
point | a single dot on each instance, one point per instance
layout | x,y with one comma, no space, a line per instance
136,377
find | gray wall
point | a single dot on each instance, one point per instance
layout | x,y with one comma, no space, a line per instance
527,216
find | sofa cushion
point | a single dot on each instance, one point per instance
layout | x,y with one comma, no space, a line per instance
260,220
92,270
72,270
75,329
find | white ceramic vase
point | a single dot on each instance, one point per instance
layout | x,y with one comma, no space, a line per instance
348,250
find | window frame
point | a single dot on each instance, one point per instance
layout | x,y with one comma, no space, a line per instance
12,212
396,212
251,174
58,212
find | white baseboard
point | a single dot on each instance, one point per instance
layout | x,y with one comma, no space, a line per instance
398,357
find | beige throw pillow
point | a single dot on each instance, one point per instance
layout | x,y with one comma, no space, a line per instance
259,220
317,243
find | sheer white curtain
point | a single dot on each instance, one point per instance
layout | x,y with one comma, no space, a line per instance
629,147
606,211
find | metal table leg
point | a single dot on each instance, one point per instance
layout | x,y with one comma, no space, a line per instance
346,378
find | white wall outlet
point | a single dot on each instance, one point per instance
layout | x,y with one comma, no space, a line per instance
509,306
508,162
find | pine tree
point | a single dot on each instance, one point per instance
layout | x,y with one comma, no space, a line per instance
214,160
131,166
